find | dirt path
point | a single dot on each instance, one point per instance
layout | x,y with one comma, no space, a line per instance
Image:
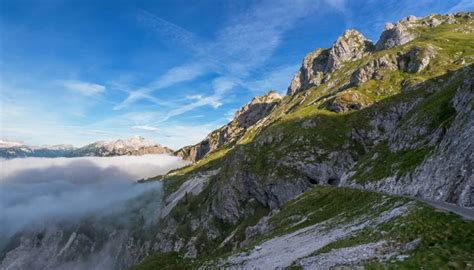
467,213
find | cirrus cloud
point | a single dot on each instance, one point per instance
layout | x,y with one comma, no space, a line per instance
146,128
84,88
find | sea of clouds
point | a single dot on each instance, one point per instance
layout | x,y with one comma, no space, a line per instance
38,190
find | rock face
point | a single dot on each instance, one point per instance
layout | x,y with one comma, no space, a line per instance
55,248
404,31
413,61
319,64
345,101
447,173
416,59
248,115
373,70
106,240
398,34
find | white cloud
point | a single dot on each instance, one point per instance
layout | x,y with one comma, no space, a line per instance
278,80
84,88
463,5
229,115
197,101
339,5
68,188
222,84
170,31
179,135
175,75
146,128
245,43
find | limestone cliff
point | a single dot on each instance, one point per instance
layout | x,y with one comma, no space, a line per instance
249,114
318,65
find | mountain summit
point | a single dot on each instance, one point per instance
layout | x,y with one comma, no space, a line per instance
251,113
135,145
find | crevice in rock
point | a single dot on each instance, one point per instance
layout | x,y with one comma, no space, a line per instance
312,180
334,181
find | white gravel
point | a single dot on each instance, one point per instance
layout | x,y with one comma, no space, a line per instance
194,185
282,251
343,256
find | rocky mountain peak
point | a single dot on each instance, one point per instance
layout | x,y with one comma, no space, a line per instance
350,46
132,143
398,34
135,145
8,144
257,108
319,64
249,114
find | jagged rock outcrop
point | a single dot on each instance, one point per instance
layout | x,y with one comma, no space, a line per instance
60,248
405,31
319,64
245,117
373,70
415,59
398,34
447,172
345,101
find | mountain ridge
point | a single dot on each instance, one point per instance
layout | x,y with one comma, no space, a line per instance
326,176
135,145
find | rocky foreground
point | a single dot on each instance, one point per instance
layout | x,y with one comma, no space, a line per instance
323,177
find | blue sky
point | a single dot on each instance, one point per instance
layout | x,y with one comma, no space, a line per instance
79,71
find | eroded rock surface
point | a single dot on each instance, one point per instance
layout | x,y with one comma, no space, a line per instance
319,64
248,115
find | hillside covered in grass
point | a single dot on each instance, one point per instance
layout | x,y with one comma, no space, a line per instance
393,117
330,174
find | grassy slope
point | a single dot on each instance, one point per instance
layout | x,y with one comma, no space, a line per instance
446,240
329,133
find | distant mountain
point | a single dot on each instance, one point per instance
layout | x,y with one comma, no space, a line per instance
7,144
135,145
13,149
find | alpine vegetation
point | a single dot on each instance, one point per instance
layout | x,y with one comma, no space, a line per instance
364,160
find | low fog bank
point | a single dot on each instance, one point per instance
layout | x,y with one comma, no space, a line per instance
34,191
